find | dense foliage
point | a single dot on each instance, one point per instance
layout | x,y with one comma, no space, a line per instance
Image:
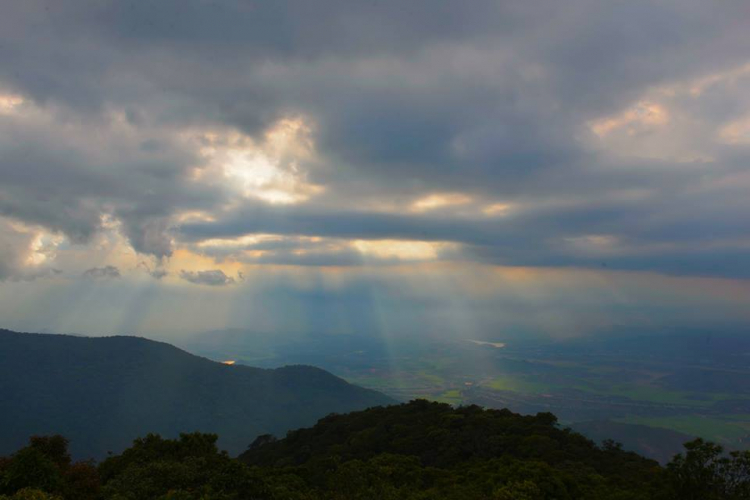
418,450
101,393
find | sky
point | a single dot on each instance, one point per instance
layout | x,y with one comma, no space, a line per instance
382,166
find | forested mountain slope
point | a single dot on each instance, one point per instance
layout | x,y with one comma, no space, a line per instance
101,393
463,451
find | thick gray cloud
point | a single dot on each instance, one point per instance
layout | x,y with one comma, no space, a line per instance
66,172
156,273
213,277
19,246
106,272
494,100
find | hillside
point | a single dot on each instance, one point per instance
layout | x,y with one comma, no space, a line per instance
101,393
466,452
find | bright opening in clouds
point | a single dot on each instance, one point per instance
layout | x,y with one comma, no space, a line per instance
396,166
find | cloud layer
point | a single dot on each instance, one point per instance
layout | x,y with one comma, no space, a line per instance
196,140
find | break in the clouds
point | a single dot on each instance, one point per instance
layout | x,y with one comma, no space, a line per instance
197,140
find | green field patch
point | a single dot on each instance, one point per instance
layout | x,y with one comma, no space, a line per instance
382,383
452,396
655,394
516,384
406,384
430,377
647,393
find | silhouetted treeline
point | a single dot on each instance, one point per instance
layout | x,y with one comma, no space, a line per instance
419,450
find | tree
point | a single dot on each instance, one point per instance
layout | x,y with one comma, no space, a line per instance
30,494
43,469
704,472
190,467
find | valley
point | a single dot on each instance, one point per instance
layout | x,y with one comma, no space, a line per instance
672,383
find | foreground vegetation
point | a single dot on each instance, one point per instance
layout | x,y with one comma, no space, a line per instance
419,450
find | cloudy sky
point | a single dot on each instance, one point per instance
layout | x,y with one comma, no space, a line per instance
560,167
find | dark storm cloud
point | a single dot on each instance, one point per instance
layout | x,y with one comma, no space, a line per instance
490,99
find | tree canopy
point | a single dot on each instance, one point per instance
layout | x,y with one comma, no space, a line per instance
414,451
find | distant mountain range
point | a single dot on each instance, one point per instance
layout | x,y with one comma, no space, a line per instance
101,393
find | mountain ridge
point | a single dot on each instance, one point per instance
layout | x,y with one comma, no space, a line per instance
103,392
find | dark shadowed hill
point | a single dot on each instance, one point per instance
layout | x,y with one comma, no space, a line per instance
466,452
439,435
102,393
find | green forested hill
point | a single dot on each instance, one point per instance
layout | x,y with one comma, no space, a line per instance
414,451
465,452
101,393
